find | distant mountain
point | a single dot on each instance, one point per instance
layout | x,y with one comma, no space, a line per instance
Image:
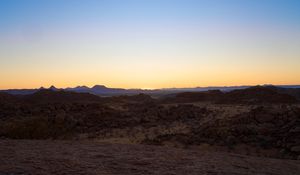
286,86
20,91
53,88
102,90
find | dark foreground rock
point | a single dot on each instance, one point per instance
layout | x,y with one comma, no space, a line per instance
91,157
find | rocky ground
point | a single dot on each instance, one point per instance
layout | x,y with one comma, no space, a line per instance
91,157
251,131
263,129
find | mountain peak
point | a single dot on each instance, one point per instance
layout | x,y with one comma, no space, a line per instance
52,88
81,87
99,87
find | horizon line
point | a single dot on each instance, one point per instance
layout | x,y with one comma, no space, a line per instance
194,87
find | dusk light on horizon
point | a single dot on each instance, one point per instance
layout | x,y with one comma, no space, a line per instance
149,44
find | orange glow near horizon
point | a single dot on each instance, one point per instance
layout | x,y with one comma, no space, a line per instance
149,44
149,80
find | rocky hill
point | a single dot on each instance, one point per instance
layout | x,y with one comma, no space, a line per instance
51,96
252,95
255,121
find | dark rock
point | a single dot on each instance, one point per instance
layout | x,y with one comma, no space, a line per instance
295,148
295,130
263,118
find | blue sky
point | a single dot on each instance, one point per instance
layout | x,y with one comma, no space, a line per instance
149,43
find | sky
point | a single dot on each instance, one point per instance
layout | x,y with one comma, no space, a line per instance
149,43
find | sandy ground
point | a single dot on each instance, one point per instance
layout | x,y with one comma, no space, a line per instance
90,157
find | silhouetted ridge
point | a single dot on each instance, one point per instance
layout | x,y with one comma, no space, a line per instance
47,95
81,87
252,95
257,94
99,87
295,92
53,88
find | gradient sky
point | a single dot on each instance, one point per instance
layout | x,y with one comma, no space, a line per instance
149,43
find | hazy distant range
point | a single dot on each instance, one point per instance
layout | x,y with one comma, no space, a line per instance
106,91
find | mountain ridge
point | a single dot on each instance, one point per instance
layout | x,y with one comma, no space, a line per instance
104,90
107,91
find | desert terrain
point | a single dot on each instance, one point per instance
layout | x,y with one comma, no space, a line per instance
250,131
91,157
